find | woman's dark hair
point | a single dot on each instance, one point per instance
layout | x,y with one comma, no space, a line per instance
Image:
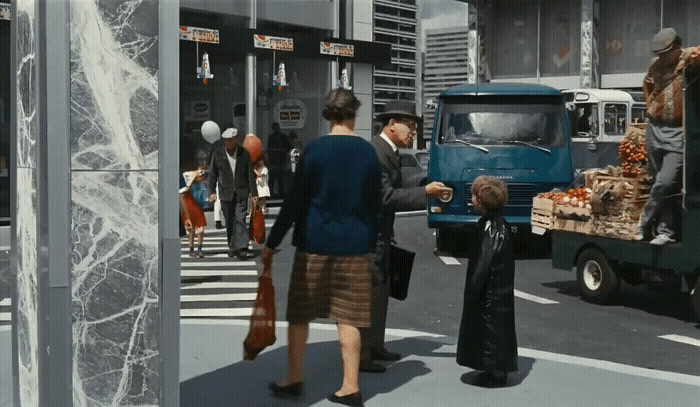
491,192
341,104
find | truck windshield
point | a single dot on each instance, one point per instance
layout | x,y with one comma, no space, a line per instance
495,123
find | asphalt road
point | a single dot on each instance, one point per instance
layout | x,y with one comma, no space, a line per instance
627,331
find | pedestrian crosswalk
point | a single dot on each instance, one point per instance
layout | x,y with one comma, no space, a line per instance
216,286
5,305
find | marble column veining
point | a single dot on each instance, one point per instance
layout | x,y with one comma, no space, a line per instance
114,154
26,208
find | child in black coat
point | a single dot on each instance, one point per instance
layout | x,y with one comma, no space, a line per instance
487,339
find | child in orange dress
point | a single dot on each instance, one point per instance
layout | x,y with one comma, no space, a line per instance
192,213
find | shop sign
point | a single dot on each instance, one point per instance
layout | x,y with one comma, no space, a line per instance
199,34
613,47
4,11
341,50
273,43
290,113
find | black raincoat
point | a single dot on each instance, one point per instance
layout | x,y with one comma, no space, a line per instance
487,332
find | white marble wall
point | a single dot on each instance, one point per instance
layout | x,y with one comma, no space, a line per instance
26,226
114,141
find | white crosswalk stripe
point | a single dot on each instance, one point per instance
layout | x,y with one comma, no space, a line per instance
232,296
216,312
5,315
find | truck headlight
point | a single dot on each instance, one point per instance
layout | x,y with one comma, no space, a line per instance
446,196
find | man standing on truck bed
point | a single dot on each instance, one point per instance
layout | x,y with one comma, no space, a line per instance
663,90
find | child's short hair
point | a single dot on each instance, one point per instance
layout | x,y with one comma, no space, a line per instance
492,193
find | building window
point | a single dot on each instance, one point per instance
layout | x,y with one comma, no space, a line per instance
627,27
514,33
560,46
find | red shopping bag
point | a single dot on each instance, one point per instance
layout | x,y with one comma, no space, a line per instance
258,219
262,322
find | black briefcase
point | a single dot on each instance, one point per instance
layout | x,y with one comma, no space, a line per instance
400,266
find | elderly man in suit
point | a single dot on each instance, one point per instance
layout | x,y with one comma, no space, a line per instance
232,167
399,121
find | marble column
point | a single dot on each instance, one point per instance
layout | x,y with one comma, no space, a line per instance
96,205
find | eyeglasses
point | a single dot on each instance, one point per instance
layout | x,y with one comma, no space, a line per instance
409,123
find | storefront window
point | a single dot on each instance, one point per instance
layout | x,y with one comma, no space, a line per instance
627,27
514,34
682,15
560,50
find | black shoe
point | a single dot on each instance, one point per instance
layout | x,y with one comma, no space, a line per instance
385,355
245,254
289,391
354,399
488,379
370,366
219,225
232,253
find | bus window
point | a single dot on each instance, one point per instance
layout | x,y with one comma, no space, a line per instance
615,116
639,113
587,118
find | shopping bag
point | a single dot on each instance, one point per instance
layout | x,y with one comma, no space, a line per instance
258,220
200,192
400,266
262,323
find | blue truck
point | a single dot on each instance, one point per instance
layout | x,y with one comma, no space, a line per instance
516,132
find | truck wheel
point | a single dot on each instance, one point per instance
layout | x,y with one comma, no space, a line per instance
695,298
596,279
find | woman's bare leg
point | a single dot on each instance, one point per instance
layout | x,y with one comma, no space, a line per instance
350,345
297,335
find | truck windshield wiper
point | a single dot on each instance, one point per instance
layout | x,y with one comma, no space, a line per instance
484,149
546,150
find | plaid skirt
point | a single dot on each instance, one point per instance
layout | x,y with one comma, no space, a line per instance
336,287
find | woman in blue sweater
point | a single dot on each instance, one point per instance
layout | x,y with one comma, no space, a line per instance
335,208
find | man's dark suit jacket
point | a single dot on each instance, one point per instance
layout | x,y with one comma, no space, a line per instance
220,170
394,197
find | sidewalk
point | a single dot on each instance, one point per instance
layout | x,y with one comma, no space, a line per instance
212,374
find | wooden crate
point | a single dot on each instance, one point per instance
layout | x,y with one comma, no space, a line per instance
639,190
541,219
572,225
572,212
542,213
615,227
543,204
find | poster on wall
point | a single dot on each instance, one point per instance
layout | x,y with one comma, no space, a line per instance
340,50
4,11
273,43
199,34
290,113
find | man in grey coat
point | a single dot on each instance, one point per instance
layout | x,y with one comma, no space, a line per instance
232,167
399,121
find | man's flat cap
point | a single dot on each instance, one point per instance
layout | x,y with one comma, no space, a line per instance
663,40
